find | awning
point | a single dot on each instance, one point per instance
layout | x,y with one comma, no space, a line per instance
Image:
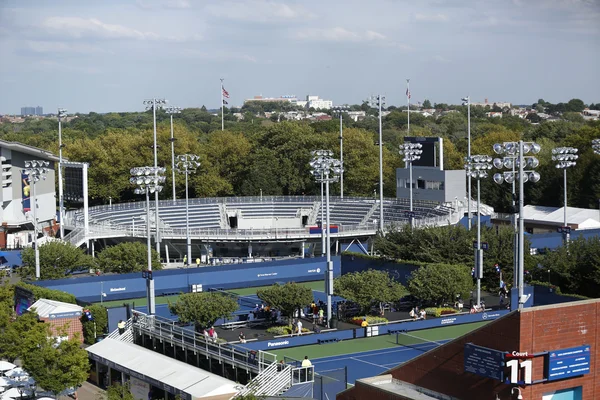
163,372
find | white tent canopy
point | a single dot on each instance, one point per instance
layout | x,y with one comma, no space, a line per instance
6,366
196,382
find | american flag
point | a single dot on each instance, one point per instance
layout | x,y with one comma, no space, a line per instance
225,92
407,93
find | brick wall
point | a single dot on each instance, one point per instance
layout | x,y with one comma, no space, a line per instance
74,326
533,330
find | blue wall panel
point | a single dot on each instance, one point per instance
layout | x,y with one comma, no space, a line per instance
399,271
128,286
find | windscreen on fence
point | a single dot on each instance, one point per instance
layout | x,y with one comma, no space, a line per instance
328,384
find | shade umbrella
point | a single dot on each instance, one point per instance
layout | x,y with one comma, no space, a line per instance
5,382
15,393
6,366
46,398
17,373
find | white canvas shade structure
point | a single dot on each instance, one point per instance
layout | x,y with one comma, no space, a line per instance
15,393
164,371
16,373
5,382
6,366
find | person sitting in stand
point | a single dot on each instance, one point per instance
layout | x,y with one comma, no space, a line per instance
364,323
215,337
423,314
242,337
413,314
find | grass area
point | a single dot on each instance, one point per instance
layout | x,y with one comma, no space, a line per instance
314,285
375,343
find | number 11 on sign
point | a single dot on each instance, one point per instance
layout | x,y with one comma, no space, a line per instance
514,366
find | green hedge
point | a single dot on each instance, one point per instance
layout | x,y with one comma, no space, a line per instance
557,289
50,294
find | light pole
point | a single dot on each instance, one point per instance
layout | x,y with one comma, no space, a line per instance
341,110
411,152
514,154
187,164
379,102
61,113
467,102
36,170
565,157
148,180
173,110
326,169
477,167
153,104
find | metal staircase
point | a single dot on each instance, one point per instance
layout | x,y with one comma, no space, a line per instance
126,336
370,213
275,379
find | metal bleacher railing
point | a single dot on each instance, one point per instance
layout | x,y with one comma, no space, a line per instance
350,214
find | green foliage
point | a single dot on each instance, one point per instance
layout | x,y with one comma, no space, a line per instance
97,327
439,283
58,259
370,320
50,294
286,298
22,336
439,311
284,330
57,367
118,392
368,288
203,308
127,257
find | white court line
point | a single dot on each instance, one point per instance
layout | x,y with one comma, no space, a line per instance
378,352
366,362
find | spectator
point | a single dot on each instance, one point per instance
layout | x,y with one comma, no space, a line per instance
423,314
280,366
121,326
211,331
321,316
306,374
185,260
206,335
306,362
299,325
364,323
215,336
413,314
242,337
198,261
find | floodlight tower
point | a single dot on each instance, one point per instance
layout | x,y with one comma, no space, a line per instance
379,102
565,157
36,170
61,200
467,102
411,152
173,110
514,154
153,104
326,169
187,164
340,110
148,180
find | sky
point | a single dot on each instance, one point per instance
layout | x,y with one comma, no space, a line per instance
111,55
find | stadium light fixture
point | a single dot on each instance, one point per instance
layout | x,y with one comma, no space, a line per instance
514,156
411,152
173,110
565,157
61,200
187,164
153,104
466,101
378,101
326,169
340,110
36,170
477,167
148,180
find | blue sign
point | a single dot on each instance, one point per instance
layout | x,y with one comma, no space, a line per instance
567,363
485,362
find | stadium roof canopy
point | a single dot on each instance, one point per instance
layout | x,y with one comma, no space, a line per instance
30,150
583,218
161,371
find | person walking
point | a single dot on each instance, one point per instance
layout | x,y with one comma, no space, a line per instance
242,337
198,261
299,325
185,260
321,316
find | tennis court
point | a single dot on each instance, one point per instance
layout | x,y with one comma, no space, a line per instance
371,356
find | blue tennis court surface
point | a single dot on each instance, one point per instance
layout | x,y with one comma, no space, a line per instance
373,362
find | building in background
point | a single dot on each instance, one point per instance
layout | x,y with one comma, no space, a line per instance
39,110
310,102
63,318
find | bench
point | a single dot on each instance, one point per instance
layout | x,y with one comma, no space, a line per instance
234,325
325,341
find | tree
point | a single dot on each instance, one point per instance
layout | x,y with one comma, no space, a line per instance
118,392
440,283
57,260
127,257
575,105
95,327
367,288
58,366
426,104
203,308
286,298
22,336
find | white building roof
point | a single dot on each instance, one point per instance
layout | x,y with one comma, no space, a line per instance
161,370
29,150
584,218
55,309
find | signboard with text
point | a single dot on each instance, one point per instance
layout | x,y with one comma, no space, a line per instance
568,363
483,361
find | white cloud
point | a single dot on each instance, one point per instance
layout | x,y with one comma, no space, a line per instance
76,27
431,17
263,11
338,34
63,47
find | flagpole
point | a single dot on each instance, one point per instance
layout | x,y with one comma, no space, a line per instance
408,100
222,108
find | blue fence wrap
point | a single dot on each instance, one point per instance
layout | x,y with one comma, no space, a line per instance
399,271
408,326
129,286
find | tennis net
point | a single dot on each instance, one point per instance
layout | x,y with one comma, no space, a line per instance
403,338
245,302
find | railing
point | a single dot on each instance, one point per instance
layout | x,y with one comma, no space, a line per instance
168,330
126,336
